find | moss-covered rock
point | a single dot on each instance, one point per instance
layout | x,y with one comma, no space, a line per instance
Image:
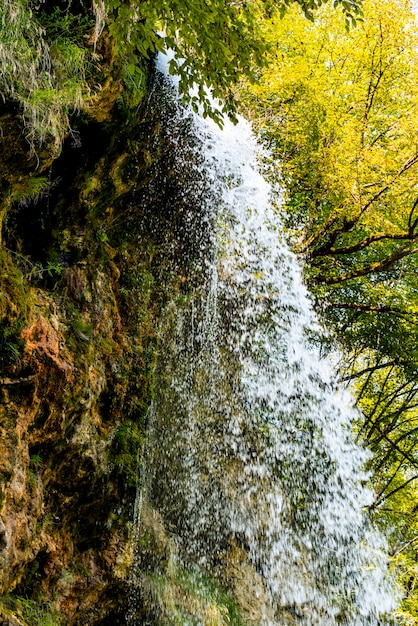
76,364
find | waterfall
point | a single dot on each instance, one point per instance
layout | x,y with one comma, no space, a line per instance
251,474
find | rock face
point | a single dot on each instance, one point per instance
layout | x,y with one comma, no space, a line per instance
81,291
95,243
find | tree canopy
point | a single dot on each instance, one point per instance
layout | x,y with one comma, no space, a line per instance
339,111
54,57
216,42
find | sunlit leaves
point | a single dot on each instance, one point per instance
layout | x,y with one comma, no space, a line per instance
216,43
340,112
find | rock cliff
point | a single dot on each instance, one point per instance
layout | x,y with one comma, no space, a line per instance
81,290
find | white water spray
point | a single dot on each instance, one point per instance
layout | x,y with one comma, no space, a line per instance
250,445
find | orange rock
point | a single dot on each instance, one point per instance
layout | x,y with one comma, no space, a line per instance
42,338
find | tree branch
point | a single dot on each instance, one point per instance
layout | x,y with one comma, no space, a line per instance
404,546
373,368
348,224
357,306
372,239
388,495
372,268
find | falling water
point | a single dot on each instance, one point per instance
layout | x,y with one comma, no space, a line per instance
250,465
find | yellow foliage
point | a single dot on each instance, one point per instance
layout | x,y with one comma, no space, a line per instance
342,107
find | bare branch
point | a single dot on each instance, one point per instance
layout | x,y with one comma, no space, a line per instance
358,306
373,368
388,495
410,235
377,266
404,546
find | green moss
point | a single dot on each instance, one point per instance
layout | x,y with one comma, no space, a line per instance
13,310
192,597
107,346
63,25
32,479
29,188
127,448
28,612
82,330
135,80
44,63
199,584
